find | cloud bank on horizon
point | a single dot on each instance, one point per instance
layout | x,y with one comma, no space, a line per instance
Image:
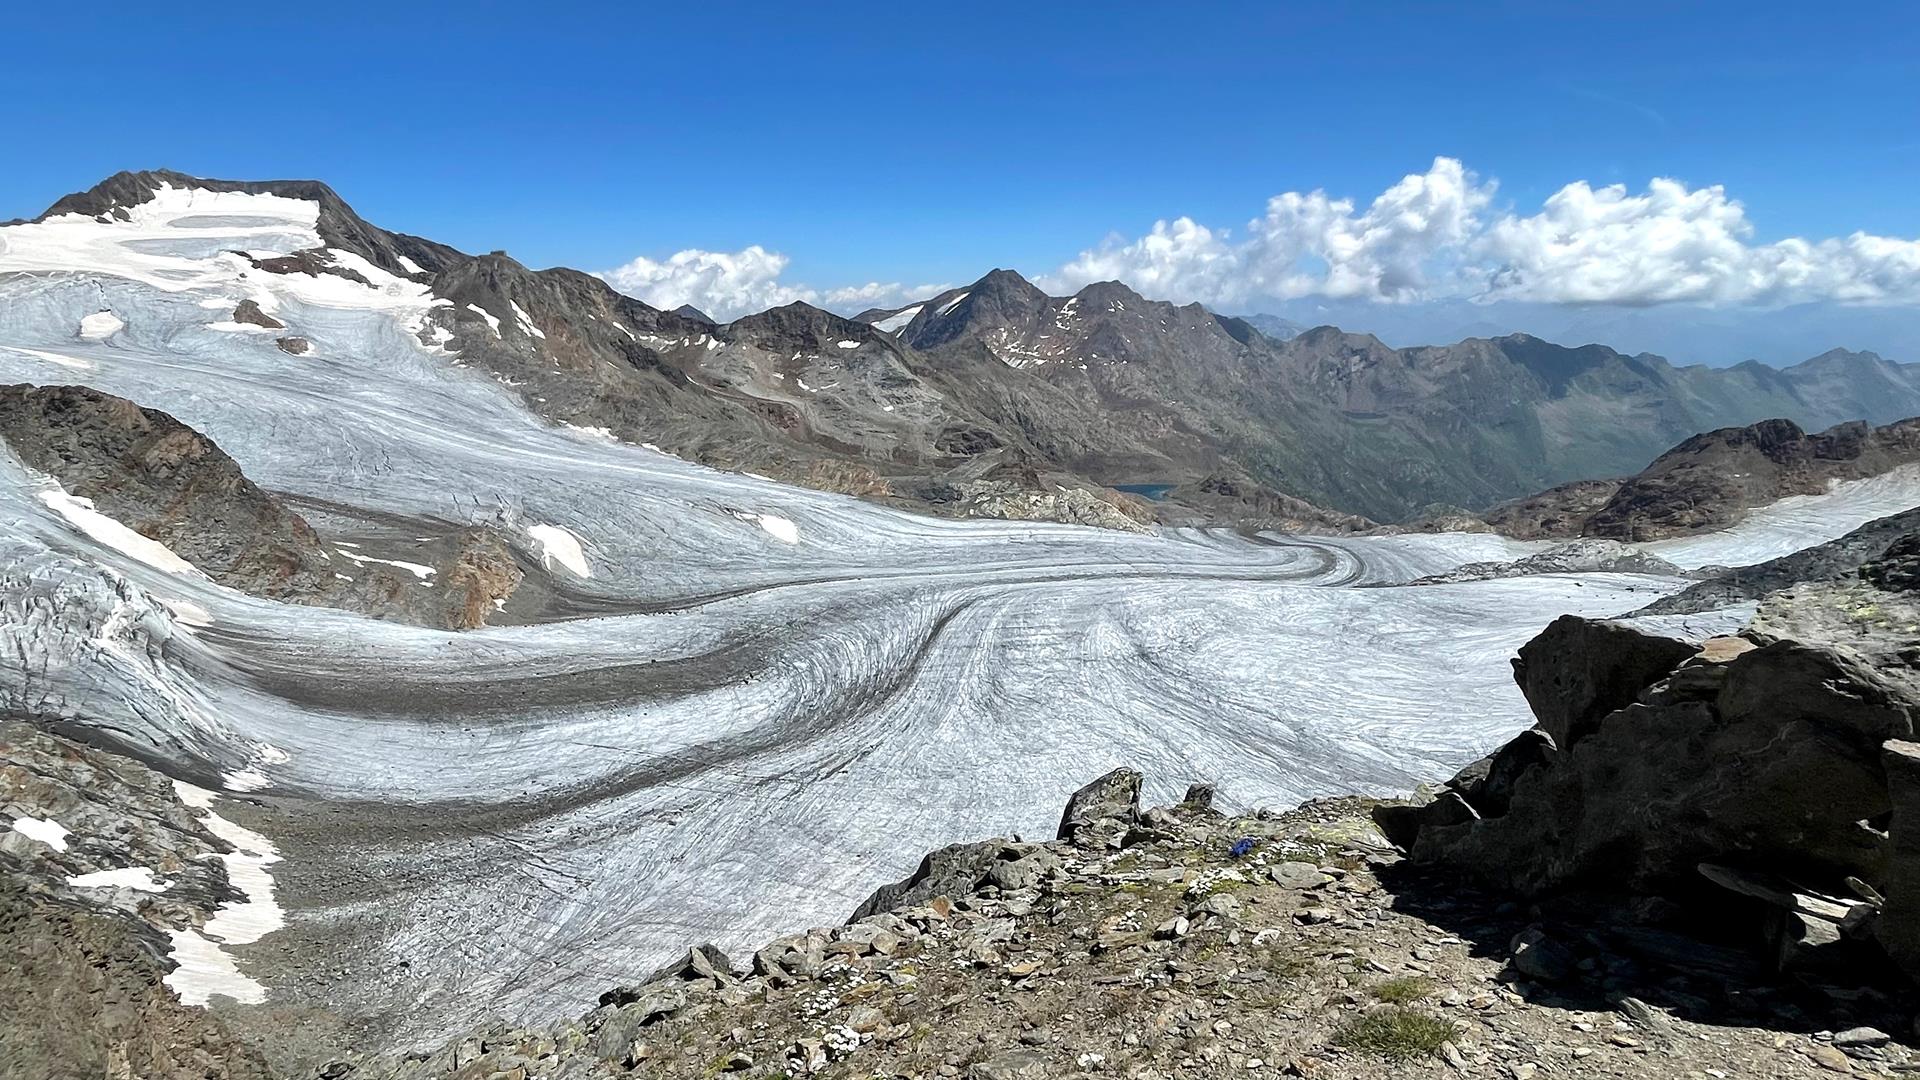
1436,235
727,284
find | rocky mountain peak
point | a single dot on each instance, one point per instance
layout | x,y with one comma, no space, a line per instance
1002,299
337,223
1555,365
798,327
1109,292
1273,327
1332,339
1842,360
1007,284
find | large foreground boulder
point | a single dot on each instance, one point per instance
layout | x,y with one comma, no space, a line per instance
1581,670
1776,769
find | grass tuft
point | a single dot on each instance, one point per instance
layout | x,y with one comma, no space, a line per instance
1404,990
1395,1033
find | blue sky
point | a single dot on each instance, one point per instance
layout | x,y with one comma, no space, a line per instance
926,144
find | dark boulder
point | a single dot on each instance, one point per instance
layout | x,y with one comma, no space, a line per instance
1104,811
1898,929
1898,569
958,870
1579,670
1199,797
703,963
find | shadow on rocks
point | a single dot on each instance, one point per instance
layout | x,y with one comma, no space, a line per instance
1645,957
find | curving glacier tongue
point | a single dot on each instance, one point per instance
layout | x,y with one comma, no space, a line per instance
741,705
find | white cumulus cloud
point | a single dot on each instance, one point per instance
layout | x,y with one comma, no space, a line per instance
723,284
1435,235
729,284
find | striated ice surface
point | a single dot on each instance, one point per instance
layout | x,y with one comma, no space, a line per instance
767,700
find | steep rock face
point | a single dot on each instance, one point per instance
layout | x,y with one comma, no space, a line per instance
1579,671
480,578
168,482
1663,769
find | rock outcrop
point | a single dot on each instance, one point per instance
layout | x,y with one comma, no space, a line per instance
1573,557
1763,774
1102,813
84,945
169,483
1558,512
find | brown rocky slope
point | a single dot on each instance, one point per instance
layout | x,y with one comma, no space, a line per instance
169,483
1710,480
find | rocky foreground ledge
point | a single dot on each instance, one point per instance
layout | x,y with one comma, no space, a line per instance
1180,942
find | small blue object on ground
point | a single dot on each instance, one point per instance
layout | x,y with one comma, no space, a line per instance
1241,847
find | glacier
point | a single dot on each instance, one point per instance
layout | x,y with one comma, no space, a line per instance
742,705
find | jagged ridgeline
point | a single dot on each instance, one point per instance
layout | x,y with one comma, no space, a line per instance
999,400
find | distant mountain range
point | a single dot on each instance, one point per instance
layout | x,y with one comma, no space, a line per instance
1688,333
1344,421
997,399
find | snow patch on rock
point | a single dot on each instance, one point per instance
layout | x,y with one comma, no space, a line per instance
137,878
81,515
205,969
898,321
46,830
